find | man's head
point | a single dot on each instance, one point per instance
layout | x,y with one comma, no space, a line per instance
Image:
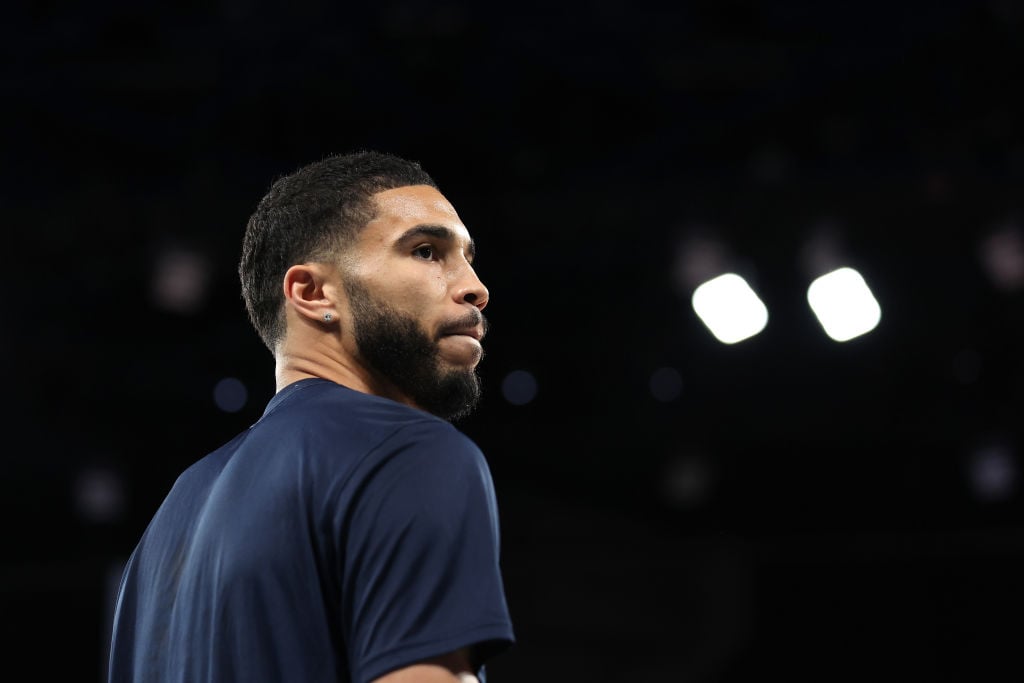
358,269
313,214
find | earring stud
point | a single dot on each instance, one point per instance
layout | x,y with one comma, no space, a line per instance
328,317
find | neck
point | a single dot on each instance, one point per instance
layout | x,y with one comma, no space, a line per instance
291,367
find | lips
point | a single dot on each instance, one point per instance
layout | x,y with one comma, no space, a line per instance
474,332
471,325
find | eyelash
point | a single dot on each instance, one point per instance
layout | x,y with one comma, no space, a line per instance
428,247
434,252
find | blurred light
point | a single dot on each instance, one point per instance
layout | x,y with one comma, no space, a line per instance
666,384
844,304
1002,256
180,279
729,308
699,257
824,248
992,472
519,387
99,495
687,480
230,395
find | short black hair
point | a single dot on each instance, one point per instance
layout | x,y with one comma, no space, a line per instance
312,214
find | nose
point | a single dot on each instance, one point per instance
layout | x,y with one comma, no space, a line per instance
471,290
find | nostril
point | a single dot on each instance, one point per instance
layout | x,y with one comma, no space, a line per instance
471,298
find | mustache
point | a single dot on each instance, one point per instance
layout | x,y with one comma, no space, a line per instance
472,318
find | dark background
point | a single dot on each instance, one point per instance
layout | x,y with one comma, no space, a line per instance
798,509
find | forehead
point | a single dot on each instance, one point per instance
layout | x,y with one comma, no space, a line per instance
405,207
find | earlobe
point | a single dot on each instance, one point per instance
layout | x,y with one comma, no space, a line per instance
305,293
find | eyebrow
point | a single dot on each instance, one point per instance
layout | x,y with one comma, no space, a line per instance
440,232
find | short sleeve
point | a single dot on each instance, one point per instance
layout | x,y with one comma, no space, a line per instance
421,571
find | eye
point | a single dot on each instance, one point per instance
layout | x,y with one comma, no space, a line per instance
424,251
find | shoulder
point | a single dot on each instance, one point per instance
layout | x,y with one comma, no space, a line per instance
441,439
432,455
426,465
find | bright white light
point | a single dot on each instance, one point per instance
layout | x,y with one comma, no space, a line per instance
729,308
844,304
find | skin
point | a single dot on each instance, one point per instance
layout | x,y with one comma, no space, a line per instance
421,275
414,258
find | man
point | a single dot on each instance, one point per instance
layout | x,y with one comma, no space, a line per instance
351,533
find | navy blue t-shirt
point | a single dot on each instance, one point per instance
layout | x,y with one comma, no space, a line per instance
340,537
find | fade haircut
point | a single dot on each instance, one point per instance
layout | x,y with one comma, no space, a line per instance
312,214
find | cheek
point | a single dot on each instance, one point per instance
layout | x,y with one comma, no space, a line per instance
441,285
432,285
402,286
416,293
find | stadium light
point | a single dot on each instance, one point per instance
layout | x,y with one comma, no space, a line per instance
844,304
730,308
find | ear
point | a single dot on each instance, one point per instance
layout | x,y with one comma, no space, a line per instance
307,291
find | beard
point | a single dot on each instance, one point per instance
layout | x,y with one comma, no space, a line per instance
395,347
